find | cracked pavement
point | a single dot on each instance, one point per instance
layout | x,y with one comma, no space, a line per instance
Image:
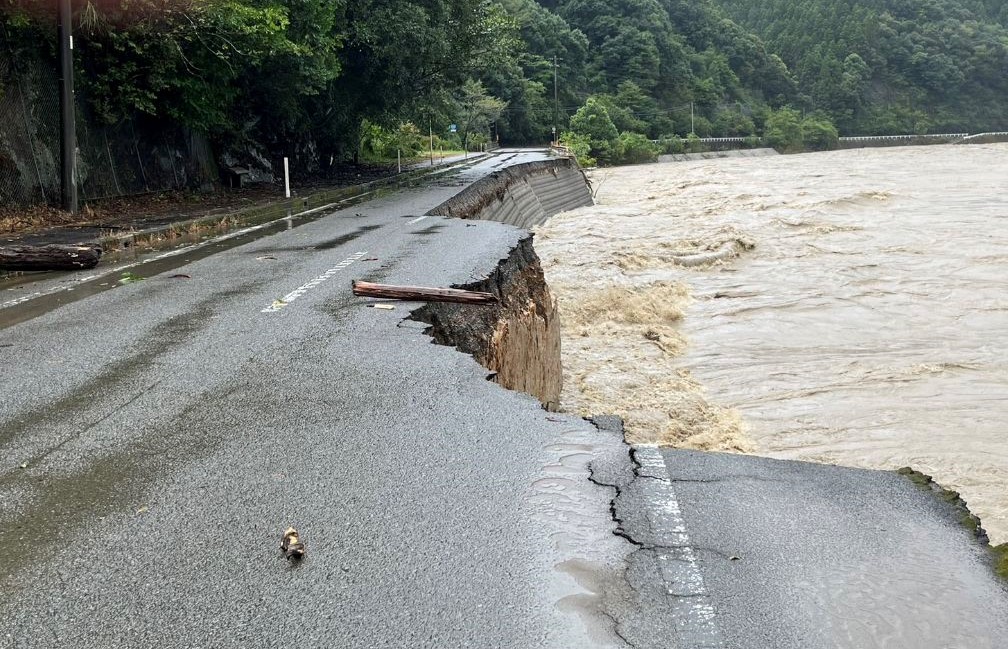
158,437
742,552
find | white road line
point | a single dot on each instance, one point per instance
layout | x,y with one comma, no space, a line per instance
693,614
418,219
318,281
118,268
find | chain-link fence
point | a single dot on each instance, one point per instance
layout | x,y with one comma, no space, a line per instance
132,157
29,134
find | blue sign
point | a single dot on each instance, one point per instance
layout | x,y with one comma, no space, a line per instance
453,128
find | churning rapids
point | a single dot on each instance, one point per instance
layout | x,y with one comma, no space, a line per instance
848,307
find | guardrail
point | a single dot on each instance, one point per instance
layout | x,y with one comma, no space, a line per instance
714,140
991,134
881,138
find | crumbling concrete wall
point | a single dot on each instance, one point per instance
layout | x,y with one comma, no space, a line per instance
524,195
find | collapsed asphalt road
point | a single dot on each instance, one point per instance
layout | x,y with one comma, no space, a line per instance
742,552
158,438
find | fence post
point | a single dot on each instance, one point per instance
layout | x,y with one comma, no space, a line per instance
68,139
286,178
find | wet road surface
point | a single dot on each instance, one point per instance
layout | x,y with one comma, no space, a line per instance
157,438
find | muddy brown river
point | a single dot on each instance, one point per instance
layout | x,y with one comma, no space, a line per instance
848,307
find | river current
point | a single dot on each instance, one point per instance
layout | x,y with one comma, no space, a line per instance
848,307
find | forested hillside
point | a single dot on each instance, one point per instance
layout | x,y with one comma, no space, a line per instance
344,79
883,66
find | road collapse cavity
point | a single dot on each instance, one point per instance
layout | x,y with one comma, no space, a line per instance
518,339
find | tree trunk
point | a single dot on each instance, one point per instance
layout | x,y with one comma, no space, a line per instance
422,294
51,257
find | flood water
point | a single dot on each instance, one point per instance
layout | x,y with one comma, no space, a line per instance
862,321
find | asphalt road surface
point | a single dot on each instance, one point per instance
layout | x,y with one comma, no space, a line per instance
158,437
742,552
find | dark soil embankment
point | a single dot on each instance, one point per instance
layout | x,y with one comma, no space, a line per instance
518,340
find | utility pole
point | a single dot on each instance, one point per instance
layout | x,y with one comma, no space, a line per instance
692,119
68,132
556,102
430,125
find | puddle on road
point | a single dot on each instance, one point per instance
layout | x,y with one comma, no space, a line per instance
188,246
346,238
426,232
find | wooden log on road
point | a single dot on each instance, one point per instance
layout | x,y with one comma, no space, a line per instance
422,293
51,257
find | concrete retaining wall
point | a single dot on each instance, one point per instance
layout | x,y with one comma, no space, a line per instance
711,155
524,195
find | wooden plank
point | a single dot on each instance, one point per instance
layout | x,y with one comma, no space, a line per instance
422,293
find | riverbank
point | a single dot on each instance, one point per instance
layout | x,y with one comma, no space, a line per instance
858,292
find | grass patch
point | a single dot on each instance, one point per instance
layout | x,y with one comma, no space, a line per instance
969,520
1001,560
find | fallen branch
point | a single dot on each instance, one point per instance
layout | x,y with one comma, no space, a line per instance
422,294
51,257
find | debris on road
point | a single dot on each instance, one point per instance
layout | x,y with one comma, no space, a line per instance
386,307
51,257
266,258
291,544
129,278
180,276
422,293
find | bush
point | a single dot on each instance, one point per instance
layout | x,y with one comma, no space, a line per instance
634,148
673,145
693,144
408,139
819,134
783,130
380,143
580,146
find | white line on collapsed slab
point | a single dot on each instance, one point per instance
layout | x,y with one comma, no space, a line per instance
301,290
693,614
417,220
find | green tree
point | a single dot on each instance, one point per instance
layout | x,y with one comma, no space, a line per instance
593,122
783,130
477,110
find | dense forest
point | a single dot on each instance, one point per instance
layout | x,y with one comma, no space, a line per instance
880,66
341,79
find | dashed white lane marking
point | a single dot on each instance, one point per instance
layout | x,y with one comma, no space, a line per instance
324,277
693,613
417,220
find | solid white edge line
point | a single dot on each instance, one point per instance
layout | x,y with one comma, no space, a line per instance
694,614
168,254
